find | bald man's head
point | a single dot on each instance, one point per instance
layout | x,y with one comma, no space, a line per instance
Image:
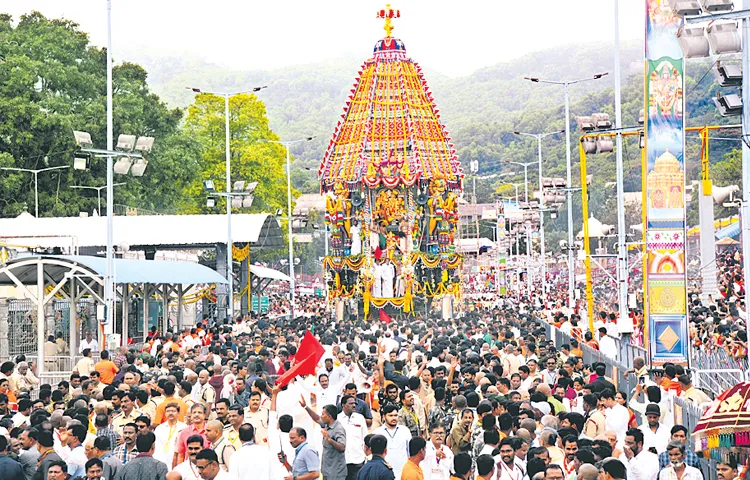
587,472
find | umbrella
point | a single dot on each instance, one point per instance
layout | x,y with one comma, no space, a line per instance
727,422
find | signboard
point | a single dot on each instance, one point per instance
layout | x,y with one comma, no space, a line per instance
263,304
664,195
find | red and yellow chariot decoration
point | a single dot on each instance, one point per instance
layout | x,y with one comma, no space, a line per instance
391,179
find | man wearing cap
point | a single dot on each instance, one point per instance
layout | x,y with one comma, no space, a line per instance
655,434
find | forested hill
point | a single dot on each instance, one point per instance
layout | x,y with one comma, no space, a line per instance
481,110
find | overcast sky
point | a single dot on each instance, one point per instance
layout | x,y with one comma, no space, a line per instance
452,37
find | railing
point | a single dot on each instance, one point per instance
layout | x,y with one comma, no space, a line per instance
717,380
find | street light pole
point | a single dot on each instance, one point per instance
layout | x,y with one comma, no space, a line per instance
571,259
624,325
36,181
228,167
98,193
109,281
542,248
286,145
228,172
526,166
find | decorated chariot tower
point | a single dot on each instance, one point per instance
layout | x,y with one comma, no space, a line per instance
391,179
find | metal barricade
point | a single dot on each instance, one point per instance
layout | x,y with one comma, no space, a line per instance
717,380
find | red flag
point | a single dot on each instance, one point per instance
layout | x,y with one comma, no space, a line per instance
308,355
384,317
309,346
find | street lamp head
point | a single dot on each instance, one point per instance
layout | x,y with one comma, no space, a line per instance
194,90
80,162
122,165
257,89
600,75
516,132
208,185
139,167
210,202
310,138
83,139
125,143
144,144
532,79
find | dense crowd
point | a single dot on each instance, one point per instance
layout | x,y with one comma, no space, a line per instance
485,396
719,322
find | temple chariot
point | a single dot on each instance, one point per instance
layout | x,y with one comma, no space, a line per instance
392,181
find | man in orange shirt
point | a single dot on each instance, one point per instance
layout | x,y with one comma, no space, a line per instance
417,452
169,397
106,368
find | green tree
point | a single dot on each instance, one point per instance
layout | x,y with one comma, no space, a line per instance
253,157
52,82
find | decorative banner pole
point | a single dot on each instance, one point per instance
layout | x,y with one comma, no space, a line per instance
665,292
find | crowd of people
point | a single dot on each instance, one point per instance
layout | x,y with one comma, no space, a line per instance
719,322
487,395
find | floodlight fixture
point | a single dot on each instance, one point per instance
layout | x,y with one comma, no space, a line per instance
586,124
589,145
717,6
144,144
208,185
604,144
83,139
724,37
728,75
80,162
210,202
139,167
125,143
601,120
238,186
728,105
693,41
279,212
251,187
685,7
122,165
641,117
641,140
474,166
247,201
236,201
553,214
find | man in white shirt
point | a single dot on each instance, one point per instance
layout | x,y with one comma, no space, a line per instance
89,342
641,464
188,469
356,430
654,433
251,461
398,436
677,468
167,434
325,392
607,344
507,468
438,460
617,416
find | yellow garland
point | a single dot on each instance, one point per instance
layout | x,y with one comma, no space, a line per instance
240,254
